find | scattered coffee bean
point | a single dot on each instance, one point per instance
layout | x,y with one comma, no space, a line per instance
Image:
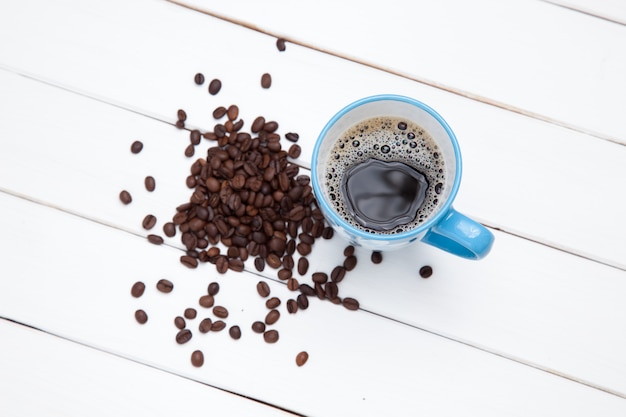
148,222
182,115
303,266
259,263
195,136
232,112
272,303
266,80
199,78
220,311
271,336
294,151
284,274
189,261
183,336
320,277
190,151
337,274
235,332
218,326
328,232
215,86
302,301
205,325
301,358
257,124
258,327
206,301
180,323
272,317
293,284
292,306
137,289
136,146
350,303
197,357
348,251
263,289
213,288
165,285
190,313
350,263
169,229
150,183
125,197
221,264
141,316
219,112
426,271
155,239
180,124
332,290
377,257
280,44
292,137
306,289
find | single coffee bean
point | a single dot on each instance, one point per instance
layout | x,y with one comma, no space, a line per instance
150,183
213,288
258,327
266,80
199,78
205,325
272,303
272,317
288,262
180,323
165,285
280,44
303,266
190,151
337,274
197,358
377,257
189,261
271,336
219,112
235,264
320,277
263,289
182,115
348,251
306,289
273,261
215,86
426,271
141,316
148,222
301,358
183,336
180,124
206,301
328,232
233,112
302,301
220,312
293,284
350,262
259,263
195,136
155,239
320,292
292,137
190,313
294,151
221,264
136,147
169,229
284,274
257,124
137,289
350,303
218,326
303,248
125,197
292,306
235,332
332,291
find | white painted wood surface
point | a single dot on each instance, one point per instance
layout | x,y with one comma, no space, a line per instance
534,329
611,10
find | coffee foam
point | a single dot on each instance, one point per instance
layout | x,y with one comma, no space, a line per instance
382,138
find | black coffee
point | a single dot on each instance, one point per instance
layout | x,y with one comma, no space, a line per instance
384,175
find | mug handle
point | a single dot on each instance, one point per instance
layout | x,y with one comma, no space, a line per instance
459,235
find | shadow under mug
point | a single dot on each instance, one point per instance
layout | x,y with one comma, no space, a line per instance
445,228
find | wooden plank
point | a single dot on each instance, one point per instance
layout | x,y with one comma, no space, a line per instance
529,56
611,10
360,363
47,375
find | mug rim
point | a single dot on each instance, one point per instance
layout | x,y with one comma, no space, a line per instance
337,219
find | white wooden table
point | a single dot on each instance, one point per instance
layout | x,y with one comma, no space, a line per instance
536,93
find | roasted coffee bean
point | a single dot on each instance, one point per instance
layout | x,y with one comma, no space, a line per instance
195,136
350,263
293,284
190,151
270,126
273,261
190,313
189,261
197,357
150,183
233,112
155,239
294,151
182,115
288,262
426,271
284,274
271,336
165,285
263,289
348,251
180,323
332,291
320,277
136,147
220,311
303,266
215,86
280,44
303,248
258,327
183,336
301,358
259,263
221,264
292,306
272,303
266,80
377,257
306,238
306,289
219,112
199,78
257,124
328,232
337,274
180,124
205,325
125,197
137,289
350,303
303,301
206,301
320,292
141,316
218,326
235,264
235,332
272,317
292,137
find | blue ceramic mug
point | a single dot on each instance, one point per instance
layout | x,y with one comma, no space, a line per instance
441,226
